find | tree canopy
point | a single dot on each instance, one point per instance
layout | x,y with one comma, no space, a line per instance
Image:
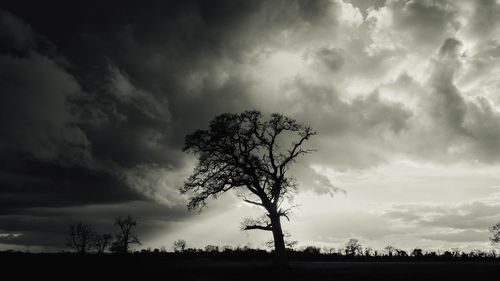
80,237
244,151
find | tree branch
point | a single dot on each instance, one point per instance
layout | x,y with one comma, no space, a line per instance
260,227
261,223
253,202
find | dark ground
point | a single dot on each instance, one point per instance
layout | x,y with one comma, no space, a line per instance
69,267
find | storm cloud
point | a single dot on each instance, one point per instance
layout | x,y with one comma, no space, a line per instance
96,99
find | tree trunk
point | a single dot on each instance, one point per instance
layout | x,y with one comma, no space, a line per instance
279,241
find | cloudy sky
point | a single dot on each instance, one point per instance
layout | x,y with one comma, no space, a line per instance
96,99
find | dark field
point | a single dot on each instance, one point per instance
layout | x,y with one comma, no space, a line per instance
69,267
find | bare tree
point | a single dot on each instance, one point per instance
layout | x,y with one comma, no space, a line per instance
80,237
126,237
390,250
353,247
179,245
241,151
102,241
329,250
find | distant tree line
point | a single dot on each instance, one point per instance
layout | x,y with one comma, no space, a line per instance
83,238
351,250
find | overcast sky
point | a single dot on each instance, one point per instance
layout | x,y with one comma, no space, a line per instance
96,99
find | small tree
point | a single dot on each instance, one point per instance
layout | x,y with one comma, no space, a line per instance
126,237
211,249
401,253
179,245
329,250
80,237
312,250
102,241
390,250
495,234
353,247
242,151
368,251
417,253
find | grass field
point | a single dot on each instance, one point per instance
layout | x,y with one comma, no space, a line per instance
71,267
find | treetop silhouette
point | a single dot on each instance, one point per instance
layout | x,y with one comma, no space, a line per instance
244,151
126,236
80,237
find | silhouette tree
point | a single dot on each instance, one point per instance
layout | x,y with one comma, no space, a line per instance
126,236
329,250
80,237
390,250
312,250
417,252
495,234
401,253
242,151
211,248
353,247
179,245
368,251
102,241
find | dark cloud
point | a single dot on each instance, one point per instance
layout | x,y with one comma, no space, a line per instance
365,5
64,144
469,122
324,107
35,116
448,104
332,58
358,127
426,21
313,11
47,157
97,100
46,226
16,35
40,184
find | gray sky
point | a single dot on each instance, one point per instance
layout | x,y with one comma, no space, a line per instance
96,100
